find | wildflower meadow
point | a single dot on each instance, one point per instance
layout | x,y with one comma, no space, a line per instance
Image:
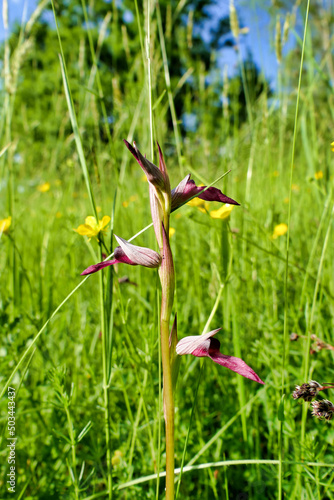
166,255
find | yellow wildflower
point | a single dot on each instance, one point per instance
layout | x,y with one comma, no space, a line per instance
202,205
171,231
196,202
318,175
44,188
295,188
5,225
222,213
332,146
92,228
59,215
279,230
286,200
125,204
275,173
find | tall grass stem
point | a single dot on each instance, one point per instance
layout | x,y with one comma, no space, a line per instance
286,298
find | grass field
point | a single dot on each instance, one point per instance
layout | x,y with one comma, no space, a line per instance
263,273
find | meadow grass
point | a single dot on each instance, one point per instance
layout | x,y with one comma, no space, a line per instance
241,440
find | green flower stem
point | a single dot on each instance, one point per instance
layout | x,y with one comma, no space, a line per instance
105,382
167,278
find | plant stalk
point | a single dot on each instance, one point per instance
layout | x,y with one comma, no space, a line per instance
167,278
168,407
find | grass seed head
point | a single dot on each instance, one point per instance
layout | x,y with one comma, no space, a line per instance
323,410
307,391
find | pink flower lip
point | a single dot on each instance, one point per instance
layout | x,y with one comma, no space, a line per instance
205,346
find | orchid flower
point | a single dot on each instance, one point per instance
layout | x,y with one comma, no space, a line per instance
187,189
205,346
130,254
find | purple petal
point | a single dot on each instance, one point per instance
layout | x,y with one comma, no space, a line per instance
235,364
205,346
96,267
120,258
153,174
139,255
187,189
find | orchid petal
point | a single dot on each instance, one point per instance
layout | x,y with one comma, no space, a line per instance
189,344
163,169
120,258
177,193
205,346
187,189
139,255
96,267
232,363
153,174
128,254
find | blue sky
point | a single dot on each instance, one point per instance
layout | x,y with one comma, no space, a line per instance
252,14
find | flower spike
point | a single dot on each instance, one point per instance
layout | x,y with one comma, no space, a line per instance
205,346
187,189
130,254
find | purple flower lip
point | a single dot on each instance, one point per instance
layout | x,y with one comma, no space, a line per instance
129,254
205,346
187,189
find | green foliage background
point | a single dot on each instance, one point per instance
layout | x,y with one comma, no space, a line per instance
241,125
